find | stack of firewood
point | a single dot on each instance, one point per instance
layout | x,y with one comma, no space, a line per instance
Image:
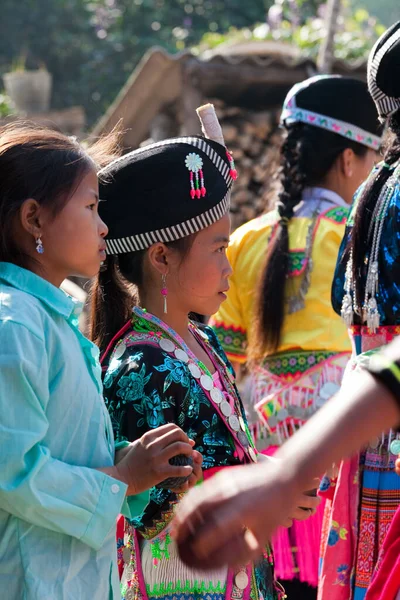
254,139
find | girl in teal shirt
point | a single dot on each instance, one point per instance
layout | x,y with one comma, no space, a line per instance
60,493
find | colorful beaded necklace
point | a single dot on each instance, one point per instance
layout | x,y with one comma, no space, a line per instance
174,345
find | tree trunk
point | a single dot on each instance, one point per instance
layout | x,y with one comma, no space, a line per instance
327,51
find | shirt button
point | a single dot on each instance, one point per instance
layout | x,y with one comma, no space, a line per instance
115,488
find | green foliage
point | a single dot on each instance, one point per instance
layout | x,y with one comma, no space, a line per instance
6,107
356,34
92,46
387,11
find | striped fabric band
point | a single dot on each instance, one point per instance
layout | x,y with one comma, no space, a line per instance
169,234
385,104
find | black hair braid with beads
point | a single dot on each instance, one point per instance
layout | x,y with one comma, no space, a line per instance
359,242
292,176
270,313
307,155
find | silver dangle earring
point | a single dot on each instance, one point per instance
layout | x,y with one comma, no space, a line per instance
164,292
39,245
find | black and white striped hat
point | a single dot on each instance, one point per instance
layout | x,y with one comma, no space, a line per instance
384,72
164,192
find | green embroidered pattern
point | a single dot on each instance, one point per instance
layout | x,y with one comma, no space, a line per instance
232,339
297,262
338,214
294,362
159,549
142,325
198,587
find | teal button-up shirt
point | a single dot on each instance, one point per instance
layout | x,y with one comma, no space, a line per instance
57,513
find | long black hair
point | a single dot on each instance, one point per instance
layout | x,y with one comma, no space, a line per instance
307,155
359,241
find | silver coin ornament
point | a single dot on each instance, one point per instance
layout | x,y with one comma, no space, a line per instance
206,382
216,395
241,580
195,371
181,355
167,345
395,447
242,437
234,422
226,408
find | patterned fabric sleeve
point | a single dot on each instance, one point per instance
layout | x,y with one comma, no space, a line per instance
229,322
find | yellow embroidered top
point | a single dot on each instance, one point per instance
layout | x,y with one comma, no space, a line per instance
316,326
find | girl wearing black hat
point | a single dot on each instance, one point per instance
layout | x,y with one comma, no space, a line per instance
167,208
366,293
278,315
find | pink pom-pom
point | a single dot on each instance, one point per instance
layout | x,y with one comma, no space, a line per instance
198,193
192,193
234,174
203,191
164,292
155,561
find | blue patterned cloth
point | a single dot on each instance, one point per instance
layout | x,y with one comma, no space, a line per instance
388,295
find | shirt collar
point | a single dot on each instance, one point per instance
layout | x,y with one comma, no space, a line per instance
52,296
319,193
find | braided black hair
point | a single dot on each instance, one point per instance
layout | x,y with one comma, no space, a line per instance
359,241
307,155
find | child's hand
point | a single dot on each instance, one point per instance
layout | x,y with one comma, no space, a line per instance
145,463
397,465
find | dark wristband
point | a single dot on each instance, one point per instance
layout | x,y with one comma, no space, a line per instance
387,373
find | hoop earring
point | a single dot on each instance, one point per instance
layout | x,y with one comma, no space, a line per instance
39,245
164,292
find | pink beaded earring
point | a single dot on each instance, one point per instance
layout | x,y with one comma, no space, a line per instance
164,292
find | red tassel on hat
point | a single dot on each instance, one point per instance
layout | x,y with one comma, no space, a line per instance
233,172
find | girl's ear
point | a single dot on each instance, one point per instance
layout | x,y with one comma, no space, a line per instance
30,217
347,162
159,257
